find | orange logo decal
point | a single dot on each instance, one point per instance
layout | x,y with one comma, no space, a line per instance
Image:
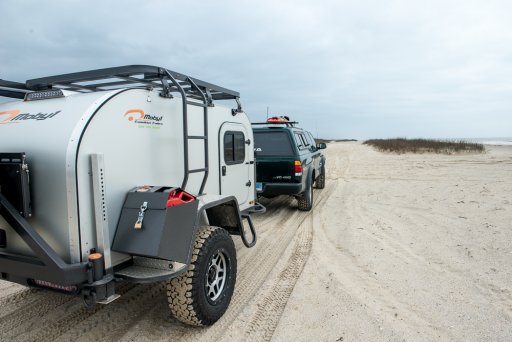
11,114
134,114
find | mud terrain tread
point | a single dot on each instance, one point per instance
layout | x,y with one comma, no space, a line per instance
305,202
182,292
320,181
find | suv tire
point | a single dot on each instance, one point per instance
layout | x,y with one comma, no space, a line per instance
320,181
202,294
305,201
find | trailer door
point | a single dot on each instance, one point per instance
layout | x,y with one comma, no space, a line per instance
234,162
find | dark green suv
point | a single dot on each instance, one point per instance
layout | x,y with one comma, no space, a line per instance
288,162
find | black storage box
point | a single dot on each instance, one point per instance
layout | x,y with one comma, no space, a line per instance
166,233
14,182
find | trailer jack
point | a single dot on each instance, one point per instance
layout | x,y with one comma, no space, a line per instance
101,292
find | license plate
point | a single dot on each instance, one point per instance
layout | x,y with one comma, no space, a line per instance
259,186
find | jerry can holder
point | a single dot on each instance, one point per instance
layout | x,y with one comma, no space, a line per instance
157,222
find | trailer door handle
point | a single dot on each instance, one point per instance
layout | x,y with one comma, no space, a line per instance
224,170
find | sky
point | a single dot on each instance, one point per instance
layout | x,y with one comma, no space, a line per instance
344,69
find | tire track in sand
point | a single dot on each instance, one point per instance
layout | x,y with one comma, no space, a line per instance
274,300
272,305
11,302
45,317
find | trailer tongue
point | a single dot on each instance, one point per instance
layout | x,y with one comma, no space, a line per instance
125,174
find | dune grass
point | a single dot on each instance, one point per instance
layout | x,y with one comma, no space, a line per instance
403,145
322,140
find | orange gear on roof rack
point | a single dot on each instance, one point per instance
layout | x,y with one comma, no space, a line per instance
278,119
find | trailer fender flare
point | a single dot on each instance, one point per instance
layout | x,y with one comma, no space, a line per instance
224,213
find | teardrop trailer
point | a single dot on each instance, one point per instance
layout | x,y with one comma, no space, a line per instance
77,152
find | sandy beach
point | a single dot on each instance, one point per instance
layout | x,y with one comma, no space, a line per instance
411,247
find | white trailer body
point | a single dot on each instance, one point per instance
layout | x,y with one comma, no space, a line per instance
87,145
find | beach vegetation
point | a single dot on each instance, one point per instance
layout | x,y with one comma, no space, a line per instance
404,145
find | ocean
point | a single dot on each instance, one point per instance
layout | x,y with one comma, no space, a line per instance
490,141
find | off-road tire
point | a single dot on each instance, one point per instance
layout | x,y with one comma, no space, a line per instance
320,181
187,294
305,201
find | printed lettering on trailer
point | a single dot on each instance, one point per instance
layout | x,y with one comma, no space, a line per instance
144,120
14,116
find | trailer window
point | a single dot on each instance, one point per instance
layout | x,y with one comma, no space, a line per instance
234,147
272,144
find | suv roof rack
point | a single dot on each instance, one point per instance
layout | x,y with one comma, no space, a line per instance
122,77
286,123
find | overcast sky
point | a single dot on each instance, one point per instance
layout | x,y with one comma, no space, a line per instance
343,69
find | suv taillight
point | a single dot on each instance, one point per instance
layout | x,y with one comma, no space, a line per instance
298,168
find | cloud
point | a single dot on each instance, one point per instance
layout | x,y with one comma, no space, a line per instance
345,68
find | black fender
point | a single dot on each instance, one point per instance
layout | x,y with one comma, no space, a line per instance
225,213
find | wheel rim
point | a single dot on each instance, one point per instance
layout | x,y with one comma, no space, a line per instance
216,276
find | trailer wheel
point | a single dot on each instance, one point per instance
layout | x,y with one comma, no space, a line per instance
320,181
202,294
305,201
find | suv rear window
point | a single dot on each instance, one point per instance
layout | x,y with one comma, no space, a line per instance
272,144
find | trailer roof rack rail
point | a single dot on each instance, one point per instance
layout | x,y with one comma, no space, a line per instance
14,90
122,77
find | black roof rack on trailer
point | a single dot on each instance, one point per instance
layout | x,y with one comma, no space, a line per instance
135,76
121,77
13,90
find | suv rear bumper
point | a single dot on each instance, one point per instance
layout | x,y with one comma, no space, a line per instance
273,189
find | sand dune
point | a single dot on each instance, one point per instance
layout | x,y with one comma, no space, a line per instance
398,247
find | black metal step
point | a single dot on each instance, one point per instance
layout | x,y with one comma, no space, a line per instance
145,270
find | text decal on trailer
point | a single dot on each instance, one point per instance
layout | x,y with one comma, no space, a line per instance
144,120
13,116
